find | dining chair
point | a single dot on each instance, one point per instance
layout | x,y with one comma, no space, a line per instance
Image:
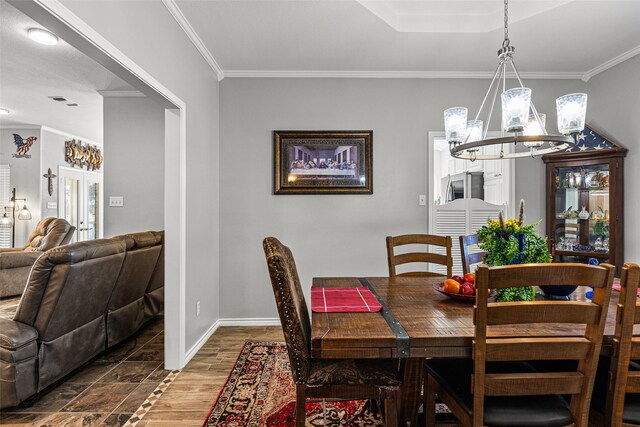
616,401
419,257
316,378
469,258
497,387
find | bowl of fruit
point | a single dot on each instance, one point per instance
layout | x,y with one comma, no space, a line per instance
459,288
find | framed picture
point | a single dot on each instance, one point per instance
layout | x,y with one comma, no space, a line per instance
323,162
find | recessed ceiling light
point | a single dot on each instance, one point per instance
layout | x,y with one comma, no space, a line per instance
43,36
4,111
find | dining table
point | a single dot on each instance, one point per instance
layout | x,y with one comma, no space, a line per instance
416,322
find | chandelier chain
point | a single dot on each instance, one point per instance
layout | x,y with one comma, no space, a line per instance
506,41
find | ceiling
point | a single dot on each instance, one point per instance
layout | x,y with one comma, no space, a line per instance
31,72
554,39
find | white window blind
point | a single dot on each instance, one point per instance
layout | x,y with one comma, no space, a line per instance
5,195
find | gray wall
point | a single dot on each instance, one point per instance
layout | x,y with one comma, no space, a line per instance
337,234
165,52
53,151
614,106
134,164
25,177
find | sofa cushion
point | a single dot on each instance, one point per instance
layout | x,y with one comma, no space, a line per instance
49,233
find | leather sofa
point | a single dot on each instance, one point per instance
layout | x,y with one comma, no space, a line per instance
79,300
16,263
125,313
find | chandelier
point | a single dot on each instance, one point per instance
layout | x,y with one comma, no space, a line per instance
521,122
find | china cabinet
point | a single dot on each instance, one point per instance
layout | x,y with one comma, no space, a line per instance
585,217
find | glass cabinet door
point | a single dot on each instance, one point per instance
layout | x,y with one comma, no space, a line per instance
582,212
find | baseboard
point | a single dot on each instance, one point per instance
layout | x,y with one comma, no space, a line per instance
203,339
251,321
266,321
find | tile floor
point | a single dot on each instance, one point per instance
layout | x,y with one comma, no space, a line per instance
105,392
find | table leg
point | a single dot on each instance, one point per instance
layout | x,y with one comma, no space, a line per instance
410,392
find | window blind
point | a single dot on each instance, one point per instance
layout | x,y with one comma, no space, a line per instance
5,195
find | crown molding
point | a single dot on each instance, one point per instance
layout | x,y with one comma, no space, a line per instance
611,63
184,23
70,135
121,93
20,127
392,74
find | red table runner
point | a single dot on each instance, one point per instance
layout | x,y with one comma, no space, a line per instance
343,300
617,287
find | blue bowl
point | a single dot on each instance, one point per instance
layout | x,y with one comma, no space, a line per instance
558,290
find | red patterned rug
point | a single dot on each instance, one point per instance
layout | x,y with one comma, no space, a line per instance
260,393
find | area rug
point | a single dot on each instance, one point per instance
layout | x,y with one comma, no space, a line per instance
260,393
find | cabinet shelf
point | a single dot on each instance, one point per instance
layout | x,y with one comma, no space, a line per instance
606,166
599,255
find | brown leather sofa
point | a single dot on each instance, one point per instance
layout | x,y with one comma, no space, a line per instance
80,299
16,263
154,294
126,305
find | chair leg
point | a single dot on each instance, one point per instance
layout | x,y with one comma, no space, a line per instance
301,401
429,407
391,410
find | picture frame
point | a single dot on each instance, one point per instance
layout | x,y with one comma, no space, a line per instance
323,162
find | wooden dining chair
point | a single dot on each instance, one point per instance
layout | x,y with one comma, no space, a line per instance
419,257
469,258
343,379
497,387
616,398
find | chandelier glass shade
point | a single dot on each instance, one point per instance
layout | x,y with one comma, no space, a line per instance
521,122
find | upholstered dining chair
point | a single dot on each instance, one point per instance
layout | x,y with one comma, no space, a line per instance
419,257
348,379
616,398
497,387
469,258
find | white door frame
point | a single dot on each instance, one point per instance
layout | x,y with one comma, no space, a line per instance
84,174
433,135
58,18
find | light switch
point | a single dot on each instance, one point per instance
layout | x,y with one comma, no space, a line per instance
422,200
116,201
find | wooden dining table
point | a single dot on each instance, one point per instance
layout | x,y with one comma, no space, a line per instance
416,322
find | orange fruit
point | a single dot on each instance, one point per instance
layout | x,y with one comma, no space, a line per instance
470,277
451,286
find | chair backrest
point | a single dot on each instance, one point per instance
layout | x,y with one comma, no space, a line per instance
49,233
66,299
549,341
470,258
626,347
125,312
419,257
292,307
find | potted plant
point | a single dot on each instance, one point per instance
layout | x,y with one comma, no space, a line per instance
513,242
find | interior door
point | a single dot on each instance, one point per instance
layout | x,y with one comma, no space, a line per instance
80,202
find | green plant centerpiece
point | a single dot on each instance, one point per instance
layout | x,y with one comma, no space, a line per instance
512,242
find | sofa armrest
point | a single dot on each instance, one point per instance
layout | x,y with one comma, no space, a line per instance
18,362
10,250
18,259
15,335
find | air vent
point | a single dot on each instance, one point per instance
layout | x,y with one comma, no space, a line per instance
59,98
73,104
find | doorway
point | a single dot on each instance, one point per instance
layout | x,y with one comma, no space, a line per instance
80,196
